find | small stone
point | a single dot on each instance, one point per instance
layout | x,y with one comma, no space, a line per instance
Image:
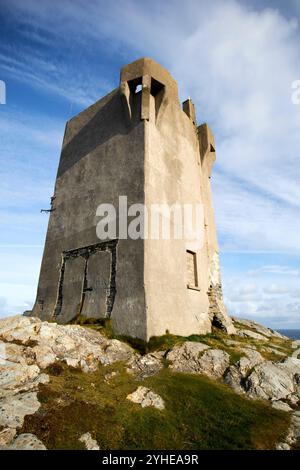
146,397
89,442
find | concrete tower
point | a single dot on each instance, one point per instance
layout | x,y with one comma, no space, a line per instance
136,142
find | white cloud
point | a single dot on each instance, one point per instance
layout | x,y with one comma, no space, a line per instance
276,304
53,77
275,269
274,289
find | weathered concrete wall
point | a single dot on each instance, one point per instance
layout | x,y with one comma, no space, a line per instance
102,158
172,175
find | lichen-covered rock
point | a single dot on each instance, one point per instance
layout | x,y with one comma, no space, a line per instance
116,351
235,375
17,377
26,442
263,330
214,362
49,342
147,365
28,345
198,358
19,329
234,378
252,334
146,397
184,357
275,381
252,359
14,408
14,353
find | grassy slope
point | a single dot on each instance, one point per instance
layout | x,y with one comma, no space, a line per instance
199,414
217,339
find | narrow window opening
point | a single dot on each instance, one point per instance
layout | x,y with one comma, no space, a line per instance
156,87
191,268
135,85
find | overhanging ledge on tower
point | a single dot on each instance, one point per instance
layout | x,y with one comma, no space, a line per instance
150,78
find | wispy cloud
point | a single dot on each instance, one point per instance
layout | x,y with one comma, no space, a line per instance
53,77
276,269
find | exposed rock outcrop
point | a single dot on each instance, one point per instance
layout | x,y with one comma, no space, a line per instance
275,381
46,343
263,330
198,358
29,345
147,365
236,373
252,334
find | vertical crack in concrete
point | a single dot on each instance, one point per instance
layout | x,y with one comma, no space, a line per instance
59,298
112,281
84,287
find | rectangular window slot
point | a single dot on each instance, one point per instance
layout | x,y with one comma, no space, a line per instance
191,268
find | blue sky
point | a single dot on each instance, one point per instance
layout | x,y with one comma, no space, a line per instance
236,59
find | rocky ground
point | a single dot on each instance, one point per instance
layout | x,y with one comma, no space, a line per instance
256,362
